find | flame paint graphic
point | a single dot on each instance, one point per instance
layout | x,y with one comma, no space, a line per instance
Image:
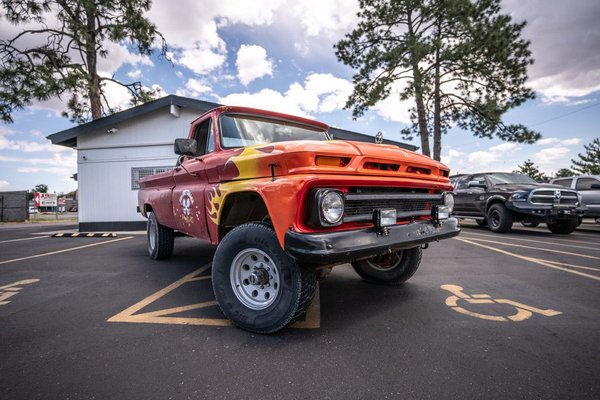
214,200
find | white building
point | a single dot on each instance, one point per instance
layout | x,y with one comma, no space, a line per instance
114,152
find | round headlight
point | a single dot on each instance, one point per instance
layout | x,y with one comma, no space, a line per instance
332,207
449,201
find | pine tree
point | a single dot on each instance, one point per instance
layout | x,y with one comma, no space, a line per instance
60,55
563,173
588,163
462,62
529,168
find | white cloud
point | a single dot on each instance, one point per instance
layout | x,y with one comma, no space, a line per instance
252,63
201,59
505,147
191,28
452,155
484,159
549,156
555,141
135,74
320,93
265,99
4,185
195,88
326,18
394,109
565,42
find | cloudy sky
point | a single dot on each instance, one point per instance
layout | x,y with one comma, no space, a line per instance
277,54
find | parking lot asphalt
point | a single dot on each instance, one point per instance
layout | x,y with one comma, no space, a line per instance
494,316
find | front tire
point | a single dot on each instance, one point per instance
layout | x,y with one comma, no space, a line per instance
160,239
258,286
391,269
563,226
499,218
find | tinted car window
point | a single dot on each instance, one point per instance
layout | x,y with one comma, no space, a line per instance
585,183
563,182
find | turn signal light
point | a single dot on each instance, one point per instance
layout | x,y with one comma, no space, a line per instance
328,161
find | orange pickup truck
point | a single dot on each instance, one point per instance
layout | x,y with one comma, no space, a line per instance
284,204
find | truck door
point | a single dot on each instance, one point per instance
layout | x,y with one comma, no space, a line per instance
190,183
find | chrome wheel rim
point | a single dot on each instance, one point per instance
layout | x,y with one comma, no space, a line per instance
386,262
151,235
254,279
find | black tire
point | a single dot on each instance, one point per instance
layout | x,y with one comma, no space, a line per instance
239,271
161,239
499,218
481,222
563,226
391,269
529,224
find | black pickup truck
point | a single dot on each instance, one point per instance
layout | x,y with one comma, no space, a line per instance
497,199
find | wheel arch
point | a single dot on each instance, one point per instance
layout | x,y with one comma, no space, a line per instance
239,208
494,200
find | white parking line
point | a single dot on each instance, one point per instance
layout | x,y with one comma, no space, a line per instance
538,261
536,248
19,240
64,251
595,244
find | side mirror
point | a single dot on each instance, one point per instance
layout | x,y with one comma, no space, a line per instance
476,184
595,186
185,147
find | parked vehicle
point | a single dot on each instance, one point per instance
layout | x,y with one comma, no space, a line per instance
497,199
588,187
284,204
33,210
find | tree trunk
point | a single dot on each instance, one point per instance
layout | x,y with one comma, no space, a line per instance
91,59
418,84
421,114
437,118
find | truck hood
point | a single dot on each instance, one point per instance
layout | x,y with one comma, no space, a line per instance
328,157
527,187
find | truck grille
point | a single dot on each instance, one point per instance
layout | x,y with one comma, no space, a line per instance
554,197
408,203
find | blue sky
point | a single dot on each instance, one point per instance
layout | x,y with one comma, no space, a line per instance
278,54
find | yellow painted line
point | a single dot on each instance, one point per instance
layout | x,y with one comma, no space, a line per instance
20,240
530,259
132,314
19,283
565,242
126,314
536,248
177,310
200,278
63,251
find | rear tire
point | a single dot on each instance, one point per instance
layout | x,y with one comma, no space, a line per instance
499,218
391,269
258,286
161,239
563,226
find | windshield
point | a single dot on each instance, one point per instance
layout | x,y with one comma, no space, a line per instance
499,179
242,131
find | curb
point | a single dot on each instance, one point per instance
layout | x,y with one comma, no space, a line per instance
84,234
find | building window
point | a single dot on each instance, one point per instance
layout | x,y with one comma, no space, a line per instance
142,172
